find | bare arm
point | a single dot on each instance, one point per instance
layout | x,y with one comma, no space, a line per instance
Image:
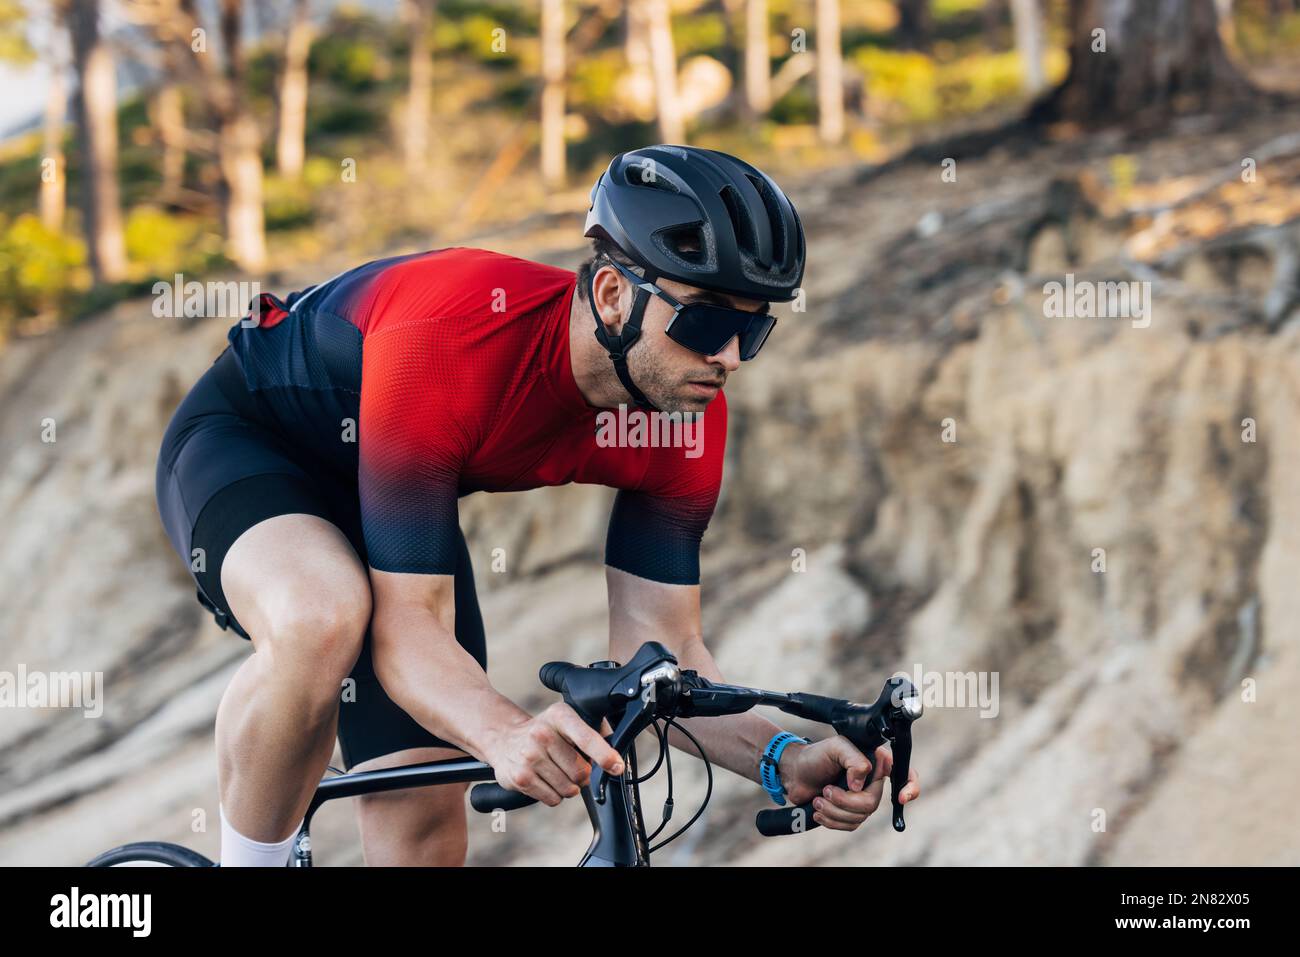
425,670
641,610
438,683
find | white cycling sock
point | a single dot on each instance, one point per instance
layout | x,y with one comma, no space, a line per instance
240,851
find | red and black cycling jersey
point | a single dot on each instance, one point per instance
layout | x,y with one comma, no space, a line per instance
434,375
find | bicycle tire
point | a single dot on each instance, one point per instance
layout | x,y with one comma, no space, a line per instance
150,854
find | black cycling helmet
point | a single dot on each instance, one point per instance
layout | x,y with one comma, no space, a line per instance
740,233
699,217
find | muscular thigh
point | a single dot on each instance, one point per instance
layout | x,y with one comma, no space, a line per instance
295,567
275,544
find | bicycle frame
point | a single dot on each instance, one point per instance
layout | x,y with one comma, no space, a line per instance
616,841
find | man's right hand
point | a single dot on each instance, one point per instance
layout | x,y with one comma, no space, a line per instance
544,756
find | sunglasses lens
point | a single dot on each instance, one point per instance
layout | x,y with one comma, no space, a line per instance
752,339
707,329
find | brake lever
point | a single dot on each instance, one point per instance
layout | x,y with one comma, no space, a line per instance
901,746
636,717
889,721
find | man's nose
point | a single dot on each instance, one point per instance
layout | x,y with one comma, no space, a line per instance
729,356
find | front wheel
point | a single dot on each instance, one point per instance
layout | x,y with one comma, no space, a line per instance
150,854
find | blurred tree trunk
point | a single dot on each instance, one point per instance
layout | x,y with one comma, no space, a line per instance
914,24
239,152
758,63
419,96
168,118
289,144
553,36
1027,18
1227,26
1140,62
96,103
992,16
830,72
54,180
636,49
219,83
663,63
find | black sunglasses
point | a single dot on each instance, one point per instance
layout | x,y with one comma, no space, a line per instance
706,328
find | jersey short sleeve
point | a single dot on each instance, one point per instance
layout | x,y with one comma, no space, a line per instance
416,417
655,529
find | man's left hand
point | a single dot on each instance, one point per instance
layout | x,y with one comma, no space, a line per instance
812,771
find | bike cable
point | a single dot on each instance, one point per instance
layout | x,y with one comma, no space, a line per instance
665,757
663,748
708,793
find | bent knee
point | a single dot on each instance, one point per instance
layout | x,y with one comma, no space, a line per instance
298,588
318,625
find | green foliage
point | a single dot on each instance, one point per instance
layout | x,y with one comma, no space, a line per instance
262,70
288,205
903,82
603,140
980,81
14,47
320,172
797,107
1264,37
594,78
515,17
909,87
477,35
514,94
340,116
348,62
20,179
131,112
159,243
947,9
358,64
701,33
39,268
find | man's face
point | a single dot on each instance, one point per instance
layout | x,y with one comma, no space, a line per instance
674,378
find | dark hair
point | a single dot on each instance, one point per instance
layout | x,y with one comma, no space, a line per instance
601,251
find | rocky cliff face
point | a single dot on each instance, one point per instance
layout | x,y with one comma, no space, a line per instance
1098,514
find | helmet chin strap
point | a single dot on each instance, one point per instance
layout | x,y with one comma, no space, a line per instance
618,346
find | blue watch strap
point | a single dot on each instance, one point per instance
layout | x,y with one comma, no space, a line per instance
767,764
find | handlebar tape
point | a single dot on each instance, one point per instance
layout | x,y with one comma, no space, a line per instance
488,797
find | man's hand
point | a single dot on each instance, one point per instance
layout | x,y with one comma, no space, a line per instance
543,756
812,771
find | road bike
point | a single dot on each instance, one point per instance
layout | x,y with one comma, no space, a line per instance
649,692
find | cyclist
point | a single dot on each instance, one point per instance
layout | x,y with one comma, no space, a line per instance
310,481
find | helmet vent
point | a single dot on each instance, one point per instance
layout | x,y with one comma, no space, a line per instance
635,174
774,216
686,243
740,223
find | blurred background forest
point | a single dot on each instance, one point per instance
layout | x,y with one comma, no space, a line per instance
1105,516
182,136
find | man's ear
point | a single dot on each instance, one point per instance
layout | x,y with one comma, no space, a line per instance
607,292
